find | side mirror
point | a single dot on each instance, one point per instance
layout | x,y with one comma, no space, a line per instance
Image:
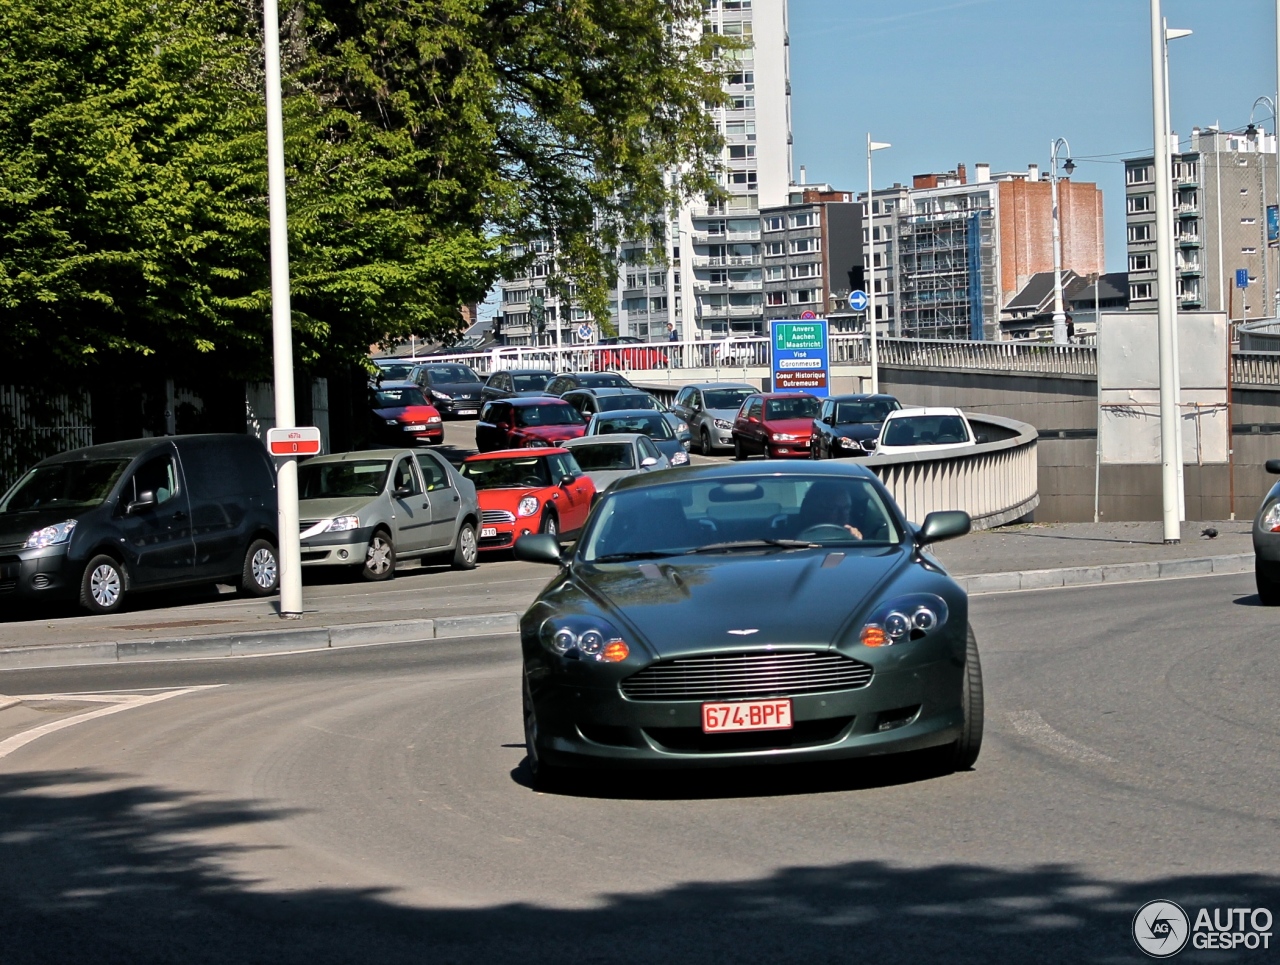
403,491
981,438
648,461
566,480
145,498
539,548
504,427
1273,466
752,418
947,524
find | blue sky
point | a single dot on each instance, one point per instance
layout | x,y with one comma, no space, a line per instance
962,81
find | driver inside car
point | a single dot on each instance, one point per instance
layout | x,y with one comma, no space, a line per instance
827,504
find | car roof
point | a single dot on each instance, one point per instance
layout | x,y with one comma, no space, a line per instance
522,401
547,372
591,375
862,397
399,384
607,391
785,395
604,440
130,448
512,453
625,413
925,410
387,454
827,468
721,385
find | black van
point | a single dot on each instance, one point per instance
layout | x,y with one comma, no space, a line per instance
99,523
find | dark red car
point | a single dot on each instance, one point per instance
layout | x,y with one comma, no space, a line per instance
520,423
401,415
776,424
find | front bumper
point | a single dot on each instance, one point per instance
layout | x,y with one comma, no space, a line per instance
457,408
337,549
788,450
505,534
38,573
898,711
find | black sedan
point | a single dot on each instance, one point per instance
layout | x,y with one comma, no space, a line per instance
749,613
452,388
848,425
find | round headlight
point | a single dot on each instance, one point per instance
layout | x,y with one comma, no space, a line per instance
897,625
528,506
1271,518
591,641
924,619
563,640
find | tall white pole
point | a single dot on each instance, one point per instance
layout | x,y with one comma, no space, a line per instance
871,273
1059,316
290,550
1179,461
1165,304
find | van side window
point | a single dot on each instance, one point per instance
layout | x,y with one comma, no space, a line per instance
158,476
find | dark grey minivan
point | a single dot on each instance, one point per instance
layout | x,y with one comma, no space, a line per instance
99,523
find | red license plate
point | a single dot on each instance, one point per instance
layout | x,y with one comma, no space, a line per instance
746,715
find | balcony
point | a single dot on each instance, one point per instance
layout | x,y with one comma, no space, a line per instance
1188,241
702,285
704,261
732,311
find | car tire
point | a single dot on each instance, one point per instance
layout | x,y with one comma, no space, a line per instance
549,525
739,453
379,558
704,442
103,585
964,752
260,574
1268,588
467,550
813,450
543,776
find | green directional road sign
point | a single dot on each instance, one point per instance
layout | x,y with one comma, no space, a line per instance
798,336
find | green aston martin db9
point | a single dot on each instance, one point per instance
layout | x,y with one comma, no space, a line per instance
750,613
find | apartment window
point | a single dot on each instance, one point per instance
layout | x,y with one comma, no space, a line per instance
745,79
810,270
773,224
1247,250
773,248
658,304
1139,262
743,177
742,29
801,246
1139,203
1139,291
635,304
740,152
738,128
742,102
806,220
1140,175
737,5
775,273
1244,192
1248,220
1140,232
775,298
803,297
658,278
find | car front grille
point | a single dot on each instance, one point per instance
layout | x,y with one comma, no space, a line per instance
740,676
496,516
10,568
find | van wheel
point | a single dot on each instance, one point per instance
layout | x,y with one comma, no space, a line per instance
379,558
260,575
466,552
102,588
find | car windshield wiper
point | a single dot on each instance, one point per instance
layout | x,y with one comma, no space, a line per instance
755,544
642,555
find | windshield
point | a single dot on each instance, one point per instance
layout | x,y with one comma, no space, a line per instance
443,374
612,403
66,485
801,407
531,383
547,415
654,426
926,430
605,381
725,398
850,413
708,513
395,398
524,473
605,456
327,480
399,372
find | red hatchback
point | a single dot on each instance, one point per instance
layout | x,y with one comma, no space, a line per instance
532,422
402,415
523,491
776,424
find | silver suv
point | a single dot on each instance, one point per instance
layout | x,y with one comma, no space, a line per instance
709,409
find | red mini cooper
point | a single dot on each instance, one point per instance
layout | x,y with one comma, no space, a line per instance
524,491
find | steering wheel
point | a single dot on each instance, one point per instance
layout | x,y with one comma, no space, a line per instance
821,531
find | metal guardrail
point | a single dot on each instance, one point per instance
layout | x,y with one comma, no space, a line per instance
1255,368
995,482
1260,335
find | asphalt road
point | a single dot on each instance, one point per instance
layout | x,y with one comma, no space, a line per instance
371,806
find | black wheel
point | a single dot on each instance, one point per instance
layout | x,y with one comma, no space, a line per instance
705,442
466,552
544,776
965,750
550,525
260,574
102,588
813,450
379,558
1268,587
739,453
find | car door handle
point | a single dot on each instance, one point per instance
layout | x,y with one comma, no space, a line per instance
426,505
179,515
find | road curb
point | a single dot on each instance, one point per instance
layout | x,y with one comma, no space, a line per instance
978,584
49,656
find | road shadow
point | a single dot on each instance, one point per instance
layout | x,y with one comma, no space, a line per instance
119,874
1249,599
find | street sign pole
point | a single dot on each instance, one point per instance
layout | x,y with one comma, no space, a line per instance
289,551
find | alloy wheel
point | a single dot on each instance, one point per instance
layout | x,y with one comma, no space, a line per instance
104,586
377,559
265,569
468,543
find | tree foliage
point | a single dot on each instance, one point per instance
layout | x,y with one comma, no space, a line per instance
423,137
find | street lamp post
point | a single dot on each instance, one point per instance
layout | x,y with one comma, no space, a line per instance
1251,132
1174,33
871,263
1059,316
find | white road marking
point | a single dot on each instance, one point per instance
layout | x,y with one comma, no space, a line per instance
1029,724
115,706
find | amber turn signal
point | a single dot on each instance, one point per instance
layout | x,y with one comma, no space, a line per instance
874,636
615,652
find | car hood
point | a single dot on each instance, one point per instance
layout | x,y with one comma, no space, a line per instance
728,415
331,506
857,430
602,479
553,432
794,426
509,498
408,413
16,527
468,390
784,598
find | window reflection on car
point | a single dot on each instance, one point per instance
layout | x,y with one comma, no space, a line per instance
71,485
801,407
724,398
449,374
530,383
526,472
547,415
361,477
605,456
926,431
655,426
395,398
863,413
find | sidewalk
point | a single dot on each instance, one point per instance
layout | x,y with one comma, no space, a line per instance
433,603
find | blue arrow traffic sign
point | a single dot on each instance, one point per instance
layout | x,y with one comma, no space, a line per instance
858,300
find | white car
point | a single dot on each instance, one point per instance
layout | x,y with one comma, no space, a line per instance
743,351
924,429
